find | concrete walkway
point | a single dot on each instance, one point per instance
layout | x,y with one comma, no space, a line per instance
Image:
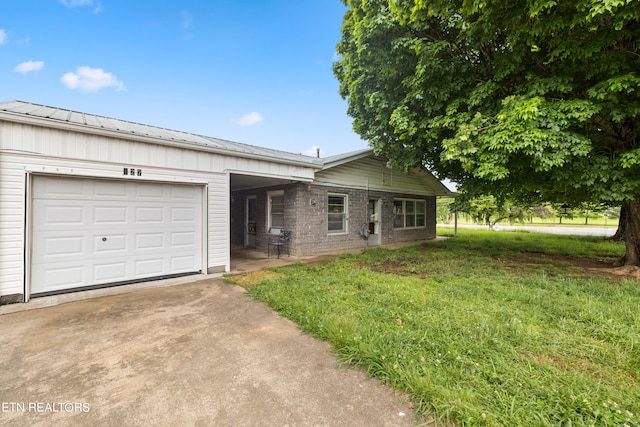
191,354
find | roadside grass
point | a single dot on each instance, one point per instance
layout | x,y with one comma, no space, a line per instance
515,243
486,329
576,220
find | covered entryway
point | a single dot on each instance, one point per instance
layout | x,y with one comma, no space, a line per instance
95,232
249,209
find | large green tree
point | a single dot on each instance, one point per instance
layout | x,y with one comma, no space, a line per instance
534,100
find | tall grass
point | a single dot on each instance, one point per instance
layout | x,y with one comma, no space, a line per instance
477,331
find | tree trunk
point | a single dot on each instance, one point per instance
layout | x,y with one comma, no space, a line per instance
619,236
631,231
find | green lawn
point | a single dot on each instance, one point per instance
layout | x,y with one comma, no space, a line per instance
495,329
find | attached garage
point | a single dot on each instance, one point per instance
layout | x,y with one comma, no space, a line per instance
90,201
92,232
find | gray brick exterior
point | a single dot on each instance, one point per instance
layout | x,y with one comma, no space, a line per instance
306,214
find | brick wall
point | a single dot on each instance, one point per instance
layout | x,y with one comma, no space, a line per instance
306,215
312,235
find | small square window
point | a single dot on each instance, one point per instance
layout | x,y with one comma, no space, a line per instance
275,213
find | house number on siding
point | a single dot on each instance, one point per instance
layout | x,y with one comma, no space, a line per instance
132,171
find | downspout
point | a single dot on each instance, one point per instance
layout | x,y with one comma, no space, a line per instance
366,213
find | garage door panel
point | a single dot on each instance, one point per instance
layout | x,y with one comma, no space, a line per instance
59,215
150,192
111,215
184,193
149,267
59,276
99,232
110,272
149,214
55,188
109,189
109,243
183,263
182,239
150,241
56,246
182,215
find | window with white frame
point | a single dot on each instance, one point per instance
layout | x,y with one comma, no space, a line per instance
409,213
337,213
275,214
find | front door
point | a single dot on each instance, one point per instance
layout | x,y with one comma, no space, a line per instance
374,222
250,222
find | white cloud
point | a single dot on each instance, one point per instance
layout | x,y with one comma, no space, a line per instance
75,3
187,20
313,151
3,36
29,66
89,79
97,6
250,119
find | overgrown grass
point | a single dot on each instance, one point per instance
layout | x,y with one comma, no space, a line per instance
473,339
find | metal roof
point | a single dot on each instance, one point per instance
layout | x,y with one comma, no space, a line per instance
339,159
125,128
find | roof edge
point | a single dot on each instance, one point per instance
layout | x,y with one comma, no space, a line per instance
26,118
337,160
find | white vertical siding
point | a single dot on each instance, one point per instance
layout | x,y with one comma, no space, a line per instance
374,173
65,144
218,220
82,146
12,180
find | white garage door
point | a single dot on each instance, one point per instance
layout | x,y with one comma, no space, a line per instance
89,232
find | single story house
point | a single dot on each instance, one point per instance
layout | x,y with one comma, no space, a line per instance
90,201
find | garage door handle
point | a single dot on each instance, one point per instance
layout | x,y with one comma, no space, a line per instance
104,239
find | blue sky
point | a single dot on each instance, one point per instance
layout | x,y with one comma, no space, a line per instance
257,72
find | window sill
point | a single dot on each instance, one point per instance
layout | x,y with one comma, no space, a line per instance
409,228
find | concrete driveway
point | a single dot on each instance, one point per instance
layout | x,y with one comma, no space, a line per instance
193,354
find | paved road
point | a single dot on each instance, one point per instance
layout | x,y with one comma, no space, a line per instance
555,229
